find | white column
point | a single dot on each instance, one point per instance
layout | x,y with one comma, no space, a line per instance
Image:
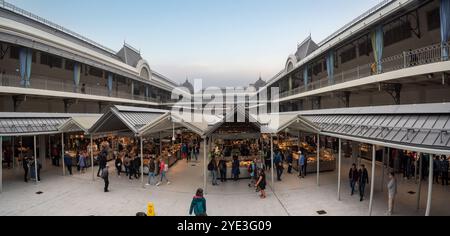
372,181
160,144
1,166
42,151
339,169
142,163
62,154
35,160
382,169
204,164
92,159
271,159
419,184
13,151
430,187
318,159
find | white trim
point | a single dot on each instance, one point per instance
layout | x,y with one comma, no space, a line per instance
397,74
58,94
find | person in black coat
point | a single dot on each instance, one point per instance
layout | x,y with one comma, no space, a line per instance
137,167
363,180
223,170
102,162
118,164
353,177
25,166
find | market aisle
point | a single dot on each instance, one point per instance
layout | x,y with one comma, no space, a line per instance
78,195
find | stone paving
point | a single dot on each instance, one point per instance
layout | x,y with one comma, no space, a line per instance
80,196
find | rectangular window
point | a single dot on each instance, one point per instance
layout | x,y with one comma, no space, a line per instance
50,60
96,72
317,68
434,19
397,33
70,65
14,52
348,54
365,48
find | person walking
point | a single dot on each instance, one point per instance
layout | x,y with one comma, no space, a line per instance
105,177
127,165
163,169
118,163
444,170
302,165
392,192
290,160
261,183
132,171
212,167
353,177
101,161
137,167
267,160
253,170
235,168
151,171
223,170
363,180
68,162
278,164
82,162
26,166
198,204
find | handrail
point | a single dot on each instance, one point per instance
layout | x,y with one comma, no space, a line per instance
54,84
20,11
420,56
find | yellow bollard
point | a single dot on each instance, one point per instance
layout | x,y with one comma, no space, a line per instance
150,209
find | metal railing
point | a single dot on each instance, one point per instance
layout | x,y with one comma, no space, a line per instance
20,11
54,84
412,58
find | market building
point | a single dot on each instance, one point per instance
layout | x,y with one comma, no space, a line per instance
376,91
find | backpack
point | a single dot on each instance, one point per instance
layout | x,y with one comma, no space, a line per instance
210,166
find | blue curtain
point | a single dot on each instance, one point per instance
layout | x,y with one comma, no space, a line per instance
330,67
378,45
28,67
305,76
25,60
76,75
445,27
110,84
23,65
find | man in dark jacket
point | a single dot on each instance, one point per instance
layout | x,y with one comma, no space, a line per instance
353,177
68,162
363,180
278,164
101,161
290,160
137,166
25,168
223,170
